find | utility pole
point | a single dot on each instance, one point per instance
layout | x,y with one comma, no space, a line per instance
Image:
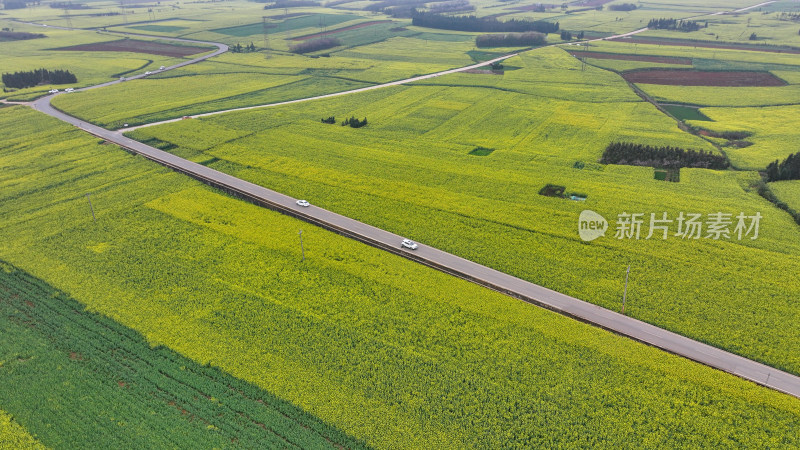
91,207
625,293
302,251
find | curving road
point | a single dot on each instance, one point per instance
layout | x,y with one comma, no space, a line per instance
440,260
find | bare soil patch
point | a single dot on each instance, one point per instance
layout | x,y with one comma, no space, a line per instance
622,57
339,30
703,78
137,46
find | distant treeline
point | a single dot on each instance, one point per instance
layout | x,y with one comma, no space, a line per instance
314,45
478,24
396,8
14,4
21,80
673,24
68,5
530,38
451,6
7,35
290,4
788,169
622,7
662,157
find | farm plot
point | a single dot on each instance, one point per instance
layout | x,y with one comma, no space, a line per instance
72,376
708,44
787,192
410,171
772,131
387,350
340,30
703,78
138,46
628,57
294,23
13,436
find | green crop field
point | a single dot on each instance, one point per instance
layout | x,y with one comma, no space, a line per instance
14,437
143,309
295,23
788,192
78,378
774,133
383,348
89,67
409,171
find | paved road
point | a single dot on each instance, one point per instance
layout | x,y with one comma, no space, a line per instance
446,262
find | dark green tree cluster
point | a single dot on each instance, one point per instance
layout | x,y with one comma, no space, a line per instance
622,7
10,35
753,37
330,119
14,4
451,6
480,24
21,80
531,38
566,35
788,169
238,48
315,44
354,123
673,24
626,153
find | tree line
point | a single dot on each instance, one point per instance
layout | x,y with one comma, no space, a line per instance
9,35
622,7
451,6
22,80
315,44
788,169
238,48
531,38
662,157
673,24
479,24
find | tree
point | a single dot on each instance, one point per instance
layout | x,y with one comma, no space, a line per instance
753,37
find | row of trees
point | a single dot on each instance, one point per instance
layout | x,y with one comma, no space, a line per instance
478,24
531,38
788,169
314,45
663,157
567,35
22,80
674,24
451,6
238,48
622,7
354,123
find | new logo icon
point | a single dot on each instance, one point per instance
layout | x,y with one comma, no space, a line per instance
591,225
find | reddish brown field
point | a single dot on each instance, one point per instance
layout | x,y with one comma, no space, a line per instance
136,46
701,44
703,78
339,30
619,56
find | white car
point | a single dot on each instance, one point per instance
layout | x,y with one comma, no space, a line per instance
148,73
69,90
53,91
303,203
162,68
408,243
